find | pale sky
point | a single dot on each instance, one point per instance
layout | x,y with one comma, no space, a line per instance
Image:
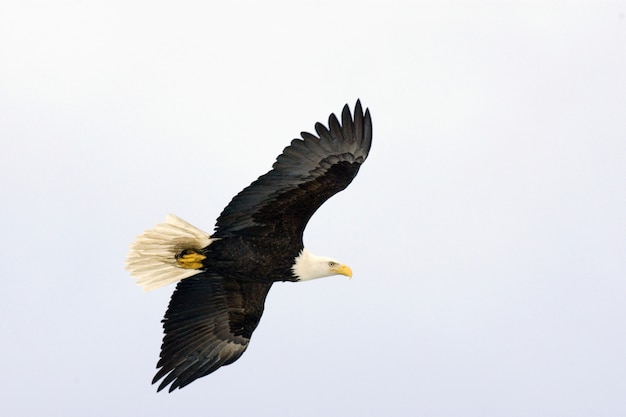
486,231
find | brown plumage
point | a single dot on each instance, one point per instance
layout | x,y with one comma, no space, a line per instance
257,241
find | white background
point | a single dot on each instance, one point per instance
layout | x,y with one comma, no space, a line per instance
486,231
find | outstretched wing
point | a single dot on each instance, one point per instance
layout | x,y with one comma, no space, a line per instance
304,176
207,325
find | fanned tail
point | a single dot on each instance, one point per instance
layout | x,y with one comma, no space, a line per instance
167,253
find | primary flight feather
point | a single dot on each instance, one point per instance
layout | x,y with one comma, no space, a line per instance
224,278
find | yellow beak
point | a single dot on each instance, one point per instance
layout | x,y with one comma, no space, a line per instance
343,270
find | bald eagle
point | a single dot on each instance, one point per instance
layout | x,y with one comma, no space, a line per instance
224,278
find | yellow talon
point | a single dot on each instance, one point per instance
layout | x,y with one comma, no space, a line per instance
190,259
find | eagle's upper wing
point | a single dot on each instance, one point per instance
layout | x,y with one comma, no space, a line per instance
207,325
308,172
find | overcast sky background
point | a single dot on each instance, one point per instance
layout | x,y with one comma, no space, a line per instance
486,231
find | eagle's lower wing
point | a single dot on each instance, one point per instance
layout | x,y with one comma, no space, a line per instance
207,325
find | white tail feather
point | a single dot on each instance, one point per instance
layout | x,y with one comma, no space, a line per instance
152,256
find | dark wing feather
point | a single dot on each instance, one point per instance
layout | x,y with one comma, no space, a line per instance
207,325
308,172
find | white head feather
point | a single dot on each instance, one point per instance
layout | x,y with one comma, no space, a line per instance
308,266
